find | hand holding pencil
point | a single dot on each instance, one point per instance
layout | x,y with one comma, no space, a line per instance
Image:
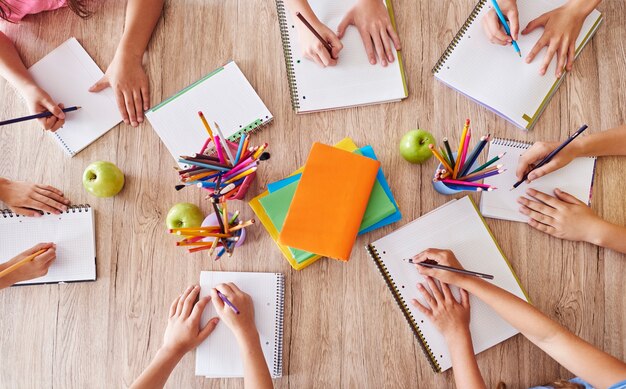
236,309
30,264
318,42
443,257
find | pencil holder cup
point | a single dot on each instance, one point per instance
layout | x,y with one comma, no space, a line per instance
241,191
442,187
211,221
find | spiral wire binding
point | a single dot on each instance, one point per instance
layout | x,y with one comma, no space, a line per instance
511,143
7,213
70,151
457,38
257,125
278,342
403,307
284,34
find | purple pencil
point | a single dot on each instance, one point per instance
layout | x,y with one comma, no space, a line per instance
488,174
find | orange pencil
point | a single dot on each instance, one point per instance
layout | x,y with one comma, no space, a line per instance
225,217
21,263
242,225
439,157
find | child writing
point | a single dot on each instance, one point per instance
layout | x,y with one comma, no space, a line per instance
370,17
183,334
24,198
36,268
563,215
561,28
451,318
125,74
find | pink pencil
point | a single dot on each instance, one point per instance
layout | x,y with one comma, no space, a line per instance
218,147
463,183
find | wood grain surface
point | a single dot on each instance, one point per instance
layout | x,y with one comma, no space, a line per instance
342,327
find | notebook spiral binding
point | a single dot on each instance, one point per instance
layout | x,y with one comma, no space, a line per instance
373,252
278,342
457,38
284,34
65,146
7,213
257,125
511,143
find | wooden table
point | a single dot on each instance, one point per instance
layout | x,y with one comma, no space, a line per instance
342,327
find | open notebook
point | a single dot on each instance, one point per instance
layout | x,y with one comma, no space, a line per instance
459,227
224,96
67,73
576,179
73,232
353,81
218,356
495,76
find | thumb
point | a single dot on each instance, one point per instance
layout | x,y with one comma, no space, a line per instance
341,29
102,83
568,198
535,23
542,171
208,328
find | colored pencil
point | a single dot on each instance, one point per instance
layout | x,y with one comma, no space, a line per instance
218,148
463,183
242,225
433,264
471,175
239,168
449,151
206,126
225,144
485,175
21,263
242,175
225,217
317,35
204,165
474,155
204,156
491,161
259,151
439,157
549,157
466,188
505,24
41,115
460,151
242,140
468,138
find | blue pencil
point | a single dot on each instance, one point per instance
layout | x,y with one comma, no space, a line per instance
505,25
474,155
240,148
42,115
206,165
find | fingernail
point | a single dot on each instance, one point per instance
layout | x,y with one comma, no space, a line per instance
126,121
140,120
66,201
62,115
372,61
532,176
134,124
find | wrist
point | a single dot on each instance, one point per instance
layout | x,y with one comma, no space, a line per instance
600,234
171,352
457,335
248,338
582,8
127,53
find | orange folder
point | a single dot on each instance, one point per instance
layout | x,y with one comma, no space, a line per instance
330,201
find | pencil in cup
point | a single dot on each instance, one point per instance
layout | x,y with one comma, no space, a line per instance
447,189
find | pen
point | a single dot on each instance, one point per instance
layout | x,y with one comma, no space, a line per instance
227,302
41,115
506,26
549,157
433,264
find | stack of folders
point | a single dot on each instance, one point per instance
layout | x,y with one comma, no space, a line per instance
319,209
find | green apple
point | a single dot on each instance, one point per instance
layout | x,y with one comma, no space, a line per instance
184,215
103,179
414,146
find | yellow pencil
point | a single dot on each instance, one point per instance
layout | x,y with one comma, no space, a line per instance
457,164
225,216
21,263
259,151
439,157
241,175
206,125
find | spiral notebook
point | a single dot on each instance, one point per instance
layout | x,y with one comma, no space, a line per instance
457,226
495,76
218,356
73,232
576,179
224,96
353,81
67,73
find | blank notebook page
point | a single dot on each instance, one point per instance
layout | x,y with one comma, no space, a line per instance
224,96
353,81
66,74
496,76
73,233
218,356
456,226
576,179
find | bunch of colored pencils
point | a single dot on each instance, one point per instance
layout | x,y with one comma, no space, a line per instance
224,236
225,172
457,173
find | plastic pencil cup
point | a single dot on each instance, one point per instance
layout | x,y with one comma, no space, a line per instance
442,187
211,221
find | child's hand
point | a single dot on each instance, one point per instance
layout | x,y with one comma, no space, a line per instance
372,20
38,267
449,316
313,49
443,257
25,198
39,101
241,324
561,28
130,83
493,27
539,151
183,332
563,216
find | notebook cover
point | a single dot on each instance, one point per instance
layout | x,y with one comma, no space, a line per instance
329,203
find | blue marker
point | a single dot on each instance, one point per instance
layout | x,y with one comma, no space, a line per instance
506,25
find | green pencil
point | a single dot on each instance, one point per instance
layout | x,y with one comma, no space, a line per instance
486,164
449,151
